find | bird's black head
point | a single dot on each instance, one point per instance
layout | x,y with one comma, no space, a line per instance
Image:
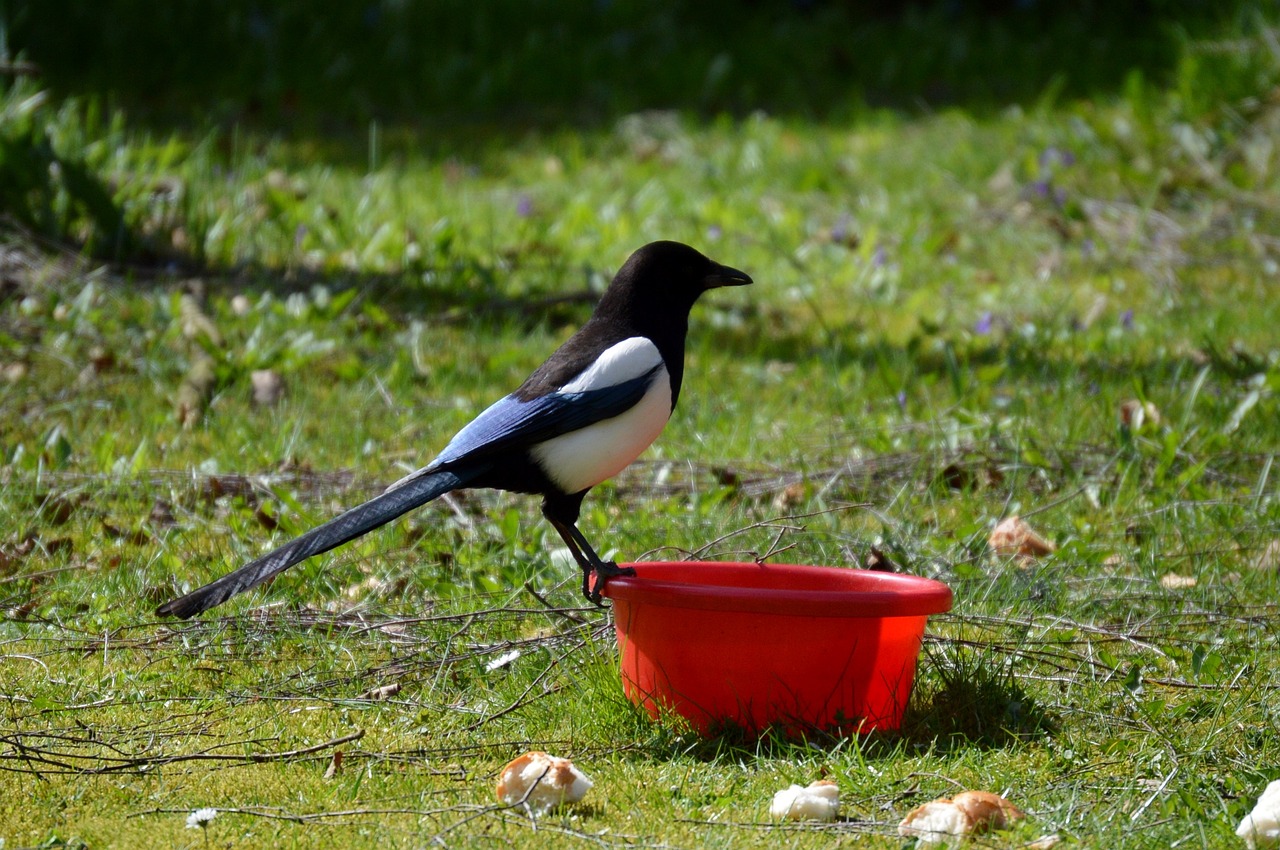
667,278
651,296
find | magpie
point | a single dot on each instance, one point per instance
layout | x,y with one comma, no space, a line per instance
581,417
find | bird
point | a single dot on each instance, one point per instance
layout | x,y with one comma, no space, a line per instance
580,418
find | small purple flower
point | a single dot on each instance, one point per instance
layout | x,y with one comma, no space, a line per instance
902,400
1126,319
1053,155
524,206
880,257
714,232
1041,188
299,233
840,230
983,325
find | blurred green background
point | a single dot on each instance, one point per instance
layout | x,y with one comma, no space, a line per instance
305,66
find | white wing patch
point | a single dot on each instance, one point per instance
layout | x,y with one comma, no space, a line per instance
584,458
620,362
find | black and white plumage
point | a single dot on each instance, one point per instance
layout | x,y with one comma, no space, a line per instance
599,401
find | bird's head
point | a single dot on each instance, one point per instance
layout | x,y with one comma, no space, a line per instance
670,276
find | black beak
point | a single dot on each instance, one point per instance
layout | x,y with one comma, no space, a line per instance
725,276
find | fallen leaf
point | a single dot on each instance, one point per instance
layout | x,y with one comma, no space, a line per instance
1004,180
55,545
335,765
1012,536
789,497
879,561
136,537
1270,557
726,477
162,514
377,587
1173,581
195,323
1134,414
20,612
1095,311
956,477
381,693
195,390
101,359
19,550
56,510
968,475
1140,533
268,387
266,520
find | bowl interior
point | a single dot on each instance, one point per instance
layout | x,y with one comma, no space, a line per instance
780,588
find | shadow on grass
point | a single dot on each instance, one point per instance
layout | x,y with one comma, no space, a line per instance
969,701
542,286
538,286
972,702
457,70
952,353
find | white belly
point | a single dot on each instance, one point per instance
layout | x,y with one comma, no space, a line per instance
584,458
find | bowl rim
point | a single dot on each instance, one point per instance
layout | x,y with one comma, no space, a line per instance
895,594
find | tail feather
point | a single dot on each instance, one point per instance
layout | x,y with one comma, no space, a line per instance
400,499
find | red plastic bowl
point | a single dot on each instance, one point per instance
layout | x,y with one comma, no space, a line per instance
751,645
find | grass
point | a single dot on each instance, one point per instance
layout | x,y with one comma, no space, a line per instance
951,307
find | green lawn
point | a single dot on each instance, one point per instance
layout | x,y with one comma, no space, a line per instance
951,307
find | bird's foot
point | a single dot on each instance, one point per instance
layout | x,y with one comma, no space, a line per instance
603,571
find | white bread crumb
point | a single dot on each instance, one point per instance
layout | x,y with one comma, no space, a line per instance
935,822
820,801
1261,827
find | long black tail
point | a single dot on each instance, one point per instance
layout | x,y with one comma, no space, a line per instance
380,510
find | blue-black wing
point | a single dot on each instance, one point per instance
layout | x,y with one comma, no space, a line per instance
512,423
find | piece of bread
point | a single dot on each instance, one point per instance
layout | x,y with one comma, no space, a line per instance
820,801
541,782
967,813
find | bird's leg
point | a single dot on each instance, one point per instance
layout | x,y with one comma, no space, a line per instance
586,566
587,558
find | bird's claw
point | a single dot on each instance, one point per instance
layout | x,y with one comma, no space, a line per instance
603,571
